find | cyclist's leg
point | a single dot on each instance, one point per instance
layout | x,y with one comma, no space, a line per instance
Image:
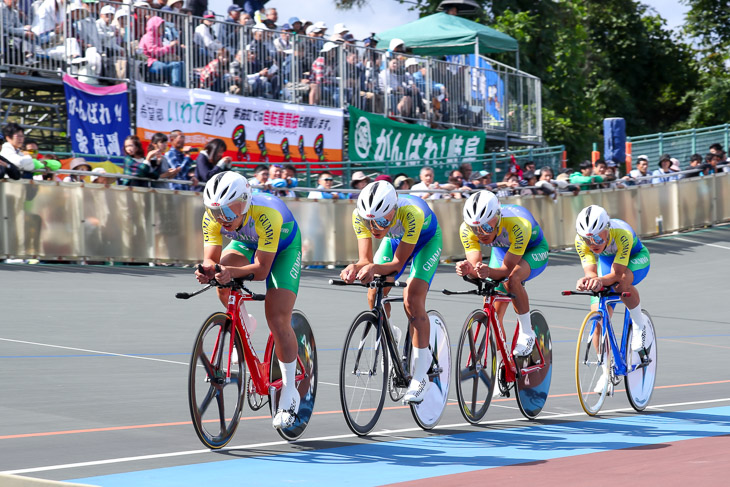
423,268
282,286
235,254
385,253
636,271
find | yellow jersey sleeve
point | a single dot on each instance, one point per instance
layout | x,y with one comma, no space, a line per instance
584,252
211,231
268,224
361,230
412,218
624,241
519,231
469,240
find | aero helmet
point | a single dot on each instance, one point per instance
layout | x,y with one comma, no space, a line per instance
376,200
592,220
479,209
222,190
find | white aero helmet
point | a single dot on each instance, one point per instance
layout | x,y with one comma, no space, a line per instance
479,209
222,190
591,221
376,200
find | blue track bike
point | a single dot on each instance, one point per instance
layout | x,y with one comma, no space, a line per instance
600,363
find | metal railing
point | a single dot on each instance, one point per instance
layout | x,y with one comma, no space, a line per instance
167,47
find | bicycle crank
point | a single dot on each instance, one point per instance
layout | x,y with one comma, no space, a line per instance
255,400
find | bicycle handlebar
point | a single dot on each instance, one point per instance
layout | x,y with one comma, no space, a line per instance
603,292
378,282
485,287
236,284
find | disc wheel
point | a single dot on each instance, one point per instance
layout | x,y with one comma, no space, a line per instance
640,382
476,362
592,361
307,385
428,413
363,374
534,387
215,400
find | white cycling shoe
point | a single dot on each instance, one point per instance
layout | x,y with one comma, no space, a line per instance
602,382
638,338
417,390
397,334
286,413
525,343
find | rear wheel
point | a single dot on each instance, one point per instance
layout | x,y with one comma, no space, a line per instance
307,377
534,387
215,400
640,382
363,374
476,363
428,413
592,363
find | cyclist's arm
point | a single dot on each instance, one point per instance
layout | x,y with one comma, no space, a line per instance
260,267
365,257
468,267
510,262
404,250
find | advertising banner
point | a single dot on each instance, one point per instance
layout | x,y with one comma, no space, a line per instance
254,130
98,117
377,138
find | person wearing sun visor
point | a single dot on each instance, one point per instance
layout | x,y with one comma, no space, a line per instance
411,234
519,253
265,242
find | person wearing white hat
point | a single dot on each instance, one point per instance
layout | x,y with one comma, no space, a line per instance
108,32
338,32
397,45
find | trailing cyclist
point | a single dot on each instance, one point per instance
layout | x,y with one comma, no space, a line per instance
265,242
519,253
622,262
411,234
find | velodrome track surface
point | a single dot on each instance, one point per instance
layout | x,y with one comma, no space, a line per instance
93,372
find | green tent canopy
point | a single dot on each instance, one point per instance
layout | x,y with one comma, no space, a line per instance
441,34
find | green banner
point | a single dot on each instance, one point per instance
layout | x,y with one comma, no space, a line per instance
377,138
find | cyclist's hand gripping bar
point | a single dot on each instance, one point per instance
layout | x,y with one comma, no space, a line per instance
604,291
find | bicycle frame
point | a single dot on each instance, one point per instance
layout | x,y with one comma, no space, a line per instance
384,324
619,353
498,330
258,370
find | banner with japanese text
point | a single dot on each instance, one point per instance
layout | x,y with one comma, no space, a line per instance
377,138
254,130
98,117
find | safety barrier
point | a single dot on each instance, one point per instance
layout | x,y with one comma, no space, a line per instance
224,56
76,221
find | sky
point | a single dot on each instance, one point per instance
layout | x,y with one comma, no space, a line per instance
381,15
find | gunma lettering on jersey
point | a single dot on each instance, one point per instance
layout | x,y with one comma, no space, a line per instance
639,260
268,231
433,260
294,273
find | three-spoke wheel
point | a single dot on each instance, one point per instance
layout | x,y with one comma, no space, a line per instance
476,362
640,382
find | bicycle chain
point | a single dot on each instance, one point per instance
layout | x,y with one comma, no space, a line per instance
255,400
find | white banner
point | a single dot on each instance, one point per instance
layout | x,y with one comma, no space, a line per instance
254,130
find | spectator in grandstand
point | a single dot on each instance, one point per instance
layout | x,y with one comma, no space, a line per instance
136,164
205,39
549,185
325,181
697,166
403,182
295,75
296,25
392,83
466,170
77,164
8,169
641,171
212,75
354,78
211,161
529,166
509,185
528,182
323,78
397,46
482,180
675,165
47,25
272,17
246,20
615,181
290,176
456,184
260,80
427,182
158,161
230,30
108,33
716,148
18,36
261,179
99,179
157,54
663,174
179,157
599,169
358,181
584,177
713,159
338,32
283,44
12,150
197,7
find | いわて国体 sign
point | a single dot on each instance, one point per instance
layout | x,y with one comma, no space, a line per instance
377,138
254,130
98,117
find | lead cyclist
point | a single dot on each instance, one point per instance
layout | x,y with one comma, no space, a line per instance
519,253
265,242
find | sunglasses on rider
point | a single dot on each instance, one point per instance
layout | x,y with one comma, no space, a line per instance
379,224
223,213
484,229
593,240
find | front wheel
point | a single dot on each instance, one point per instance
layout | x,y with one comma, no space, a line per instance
536,370
640,381
363,374
428,413
592,364
306,376
476,367
215,399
